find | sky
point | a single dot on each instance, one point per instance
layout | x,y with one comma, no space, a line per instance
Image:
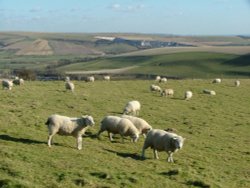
177,17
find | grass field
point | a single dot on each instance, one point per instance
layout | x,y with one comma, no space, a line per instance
216,152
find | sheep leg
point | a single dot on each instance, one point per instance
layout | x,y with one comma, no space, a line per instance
170,157
79,142
110,136
49,140
156,154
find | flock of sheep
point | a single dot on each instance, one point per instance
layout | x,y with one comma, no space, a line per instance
128,124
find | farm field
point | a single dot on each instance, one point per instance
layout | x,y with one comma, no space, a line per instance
216,128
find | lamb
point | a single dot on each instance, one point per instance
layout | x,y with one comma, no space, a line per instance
107,78
217,80
155,88
90,79
70,86
18,81
118,125
67,126
163,80
160,140
7,84
167,92
210,92
237,83
188,95
132,107
157,78
142,126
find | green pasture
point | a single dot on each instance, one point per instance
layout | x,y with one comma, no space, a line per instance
216,152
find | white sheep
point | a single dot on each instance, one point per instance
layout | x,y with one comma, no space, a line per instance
163,80
142,126
69,86
157,78
7,84
90,79
118,125
67,79
167,92
237,83
210,92
155,88
132,107
67,126
18,81
217,81
107,78
188,95
160,140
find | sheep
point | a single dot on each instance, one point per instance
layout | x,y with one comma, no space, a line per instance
157,78
237,83
155,88
69,86
67,126
167,92
142,126
132,107
210,92
217,80
188,95
107,78
160,140
163,80
90,79
7,84
18,81
118,125
67,79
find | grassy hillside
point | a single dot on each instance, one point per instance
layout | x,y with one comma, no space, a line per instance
216,128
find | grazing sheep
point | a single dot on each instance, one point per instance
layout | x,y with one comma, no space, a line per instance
167,92
117,125
155,88
157,78
7,84
90,79
217,81
132,107
70,86
237,83
163,80
188,95
67,126
142,126
160,140
210,92
18,81
107,78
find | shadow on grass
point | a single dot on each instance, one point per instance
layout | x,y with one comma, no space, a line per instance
134,156
22,140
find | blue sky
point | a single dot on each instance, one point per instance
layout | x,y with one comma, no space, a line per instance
181,17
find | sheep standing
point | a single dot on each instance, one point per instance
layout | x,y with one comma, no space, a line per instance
210,92
157,78
18,81
188,95
142,126
132,107
67,126
160,140
167,92
163,80
70,86
237,83
107,78
90,79
155,88
217,81
7,84
117,125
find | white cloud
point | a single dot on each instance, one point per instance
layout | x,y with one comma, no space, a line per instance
128,8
